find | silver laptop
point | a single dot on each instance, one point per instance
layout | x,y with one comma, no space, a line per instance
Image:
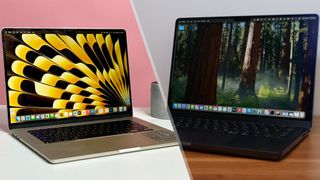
68,94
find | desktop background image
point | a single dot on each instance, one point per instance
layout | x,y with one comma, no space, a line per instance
55,73
258,64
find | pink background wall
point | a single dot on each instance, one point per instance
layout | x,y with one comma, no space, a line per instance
86,14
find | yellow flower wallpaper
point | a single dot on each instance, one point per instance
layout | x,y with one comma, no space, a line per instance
66,72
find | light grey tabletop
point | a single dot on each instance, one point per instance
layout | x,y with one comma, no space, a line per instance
19,162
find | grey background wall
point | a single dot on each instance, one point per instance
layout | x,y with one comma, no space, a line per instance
157,17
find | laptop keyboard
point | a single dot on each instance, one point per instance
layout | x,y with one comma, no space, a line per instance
68,133
235,127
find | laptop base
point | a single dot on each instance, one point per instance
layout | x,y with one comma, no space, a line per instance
100,146
250,147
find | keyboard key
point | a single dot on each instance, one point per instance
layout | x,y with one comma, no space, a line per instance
234,127
68,133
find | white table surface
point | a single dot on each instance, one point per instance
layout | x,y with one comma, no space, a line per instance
19,162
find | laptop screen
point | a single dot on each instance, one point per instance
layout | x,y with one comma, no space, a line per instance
262,66
59,74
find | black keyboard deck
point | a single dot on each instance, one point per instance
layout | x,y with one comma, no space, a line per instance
68,133
234,127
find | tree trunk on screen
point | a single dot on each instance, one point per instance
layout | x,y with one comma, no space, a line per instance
285,55
291,64
299,63
308,67
262,50
277,50
249,67
202,76
228,57
244,41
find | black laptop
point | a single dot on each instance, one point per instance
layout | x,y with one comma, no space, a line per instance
243,85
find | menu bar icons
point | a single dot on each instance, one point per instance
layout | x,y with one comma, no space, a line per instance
290,114
215,108
224,109
239,110
101,111
72,113
266,112
259,111
292,18
52,115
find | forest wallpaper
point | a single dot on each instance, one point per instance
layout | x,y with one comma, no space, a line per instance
58,72
259,64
